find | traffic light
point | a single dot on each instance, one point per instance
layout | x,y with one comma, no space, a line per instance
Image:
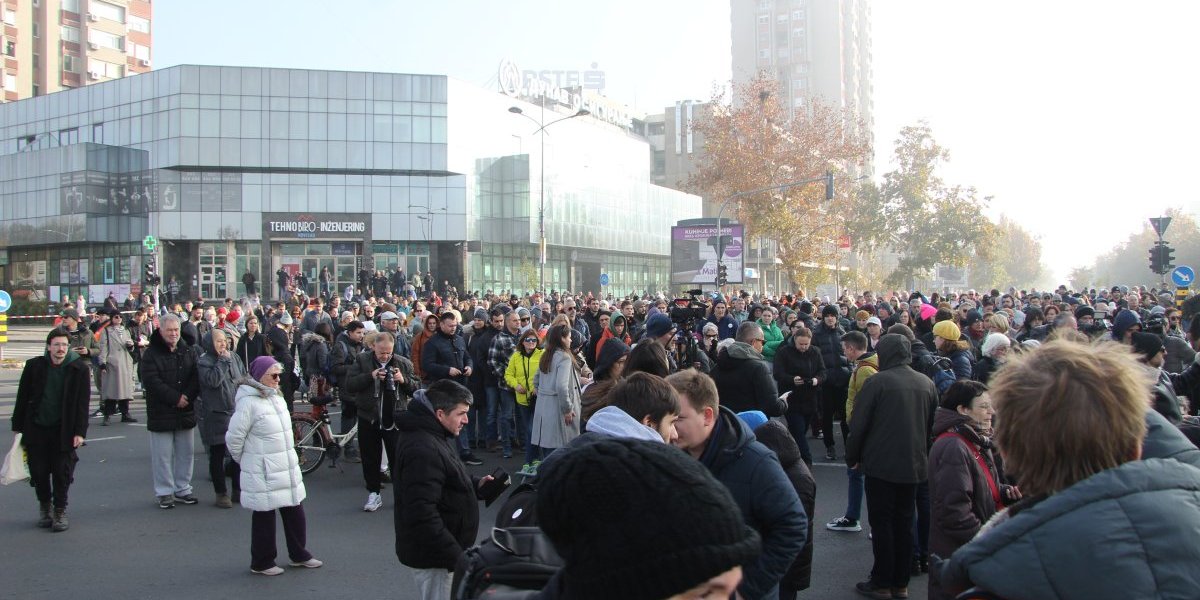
1162,258
150,275
1155,263
1168,254
828,185
722,275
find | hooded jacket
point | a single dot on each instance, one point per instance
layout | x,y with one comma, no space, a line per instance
893,417
611,421
315,352
1106,535
775,436
166,375
959,493
520,371
744,382
866,366
260,441
829,341
772,337
769,503
611,334
77,394
219,377
436,501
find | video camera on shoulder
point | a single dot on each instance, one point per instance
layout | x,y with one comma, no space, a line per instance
686,311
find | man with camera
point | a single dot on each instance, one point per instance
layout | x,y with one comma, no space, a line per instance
381,383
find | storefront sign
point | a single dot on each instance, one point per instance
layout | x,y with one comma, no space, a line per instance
316,226
544,86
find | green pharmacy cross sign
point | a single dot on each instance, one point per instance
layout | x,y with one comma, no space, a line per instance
150,243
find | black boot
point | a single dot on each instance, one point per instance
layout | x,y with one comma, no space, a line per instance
60,520
105,421
125,418
44,519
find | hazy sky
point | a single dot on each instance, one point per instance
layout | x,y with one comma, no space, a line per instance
1076,116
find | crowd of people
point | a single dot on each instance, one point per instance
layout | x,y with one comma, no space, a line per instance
985,431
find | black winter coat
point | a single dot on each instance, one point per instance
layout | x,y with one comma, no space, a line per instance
768,501
369,392
166,376
478,346
281,348
829,342
436,500
791,363
77,394
441,353
744,382
893,418
775,436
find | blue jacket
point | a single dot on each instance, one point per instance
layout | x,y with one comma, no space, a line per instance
767,498
1128,530
727,326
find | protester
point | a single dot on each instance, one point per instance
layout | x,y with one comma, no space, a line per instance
559,407
116,368
169,377
520,374
260,440
51,414
799,369
220,372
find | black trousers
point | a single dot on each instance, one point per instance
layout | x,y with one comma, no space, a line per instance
262,536
890,512
111,407
50,469
218,471
372,443
833,406
288,384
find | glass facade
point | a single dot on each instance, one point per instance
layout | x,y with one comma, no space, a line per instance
201,157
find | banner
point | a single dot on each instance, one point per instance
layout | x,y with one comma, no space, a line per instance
694,253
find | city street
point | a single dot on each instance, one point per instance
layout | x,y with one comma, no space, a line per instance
122,545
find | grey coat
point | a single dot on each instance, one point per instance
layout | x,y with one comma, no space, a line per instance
1132,528
117,381
558,394
219,377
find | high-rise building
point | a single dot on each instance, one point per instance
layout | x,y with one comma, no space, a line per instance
52,45
814,48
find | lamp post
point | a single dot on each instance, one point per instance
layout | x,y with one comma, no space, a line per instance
428,220
827,178
542,125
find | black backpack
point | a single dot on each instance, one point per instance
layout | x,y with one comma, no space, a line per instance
513,563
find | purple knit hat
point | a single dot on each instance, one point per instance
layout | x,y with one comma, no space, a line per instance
260,366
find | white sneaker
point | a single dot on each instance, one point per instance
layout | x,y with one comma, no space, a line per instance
374,501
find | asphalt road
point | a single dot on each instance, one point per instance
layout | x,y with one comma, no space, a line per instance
121,545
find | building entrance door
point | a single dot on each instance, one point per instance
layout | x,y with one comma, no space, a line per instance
214,277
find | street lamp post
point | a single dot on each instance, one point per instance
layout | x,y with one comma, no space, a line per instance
428,220
542,125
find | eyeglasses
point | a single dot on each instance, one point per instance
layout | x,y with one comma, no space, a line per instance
524,319
274,376
710,335
529,341
759,340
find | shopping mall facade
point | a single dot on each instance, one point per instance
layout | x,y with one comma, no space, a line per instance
236,169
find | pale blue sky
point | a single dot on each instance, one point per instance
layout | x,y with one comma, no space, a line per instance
1077,116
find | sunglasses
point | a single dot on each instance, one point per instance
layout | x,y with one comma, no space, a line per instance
274,376
529,341
524,319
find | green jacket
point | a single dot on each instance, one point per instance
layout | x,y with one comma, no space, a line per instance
773,337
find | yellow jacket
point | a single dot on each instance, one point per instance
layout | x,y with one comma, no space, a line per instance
863,368
520,371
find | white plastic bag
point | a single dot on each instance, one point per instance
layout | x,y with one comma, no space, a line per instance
14,469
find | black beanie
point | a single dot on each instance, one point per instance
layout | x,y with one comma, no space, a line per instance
639,520
830,310
1147,345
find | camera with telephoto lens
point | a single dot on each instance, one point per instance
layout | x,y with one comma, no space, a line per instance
686,311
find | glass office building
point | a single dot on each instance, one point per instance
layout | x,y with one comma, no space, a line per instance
239,170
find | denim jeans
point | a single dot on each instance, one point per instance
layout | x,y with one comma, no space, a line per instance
526,415
493,404
797,424
508,400
855,498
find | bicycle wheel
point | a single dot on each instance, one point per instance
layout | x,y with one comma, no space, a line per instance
310,443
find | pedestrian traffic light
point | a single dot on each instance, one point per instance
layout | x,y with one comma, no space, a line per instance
722,274
828,185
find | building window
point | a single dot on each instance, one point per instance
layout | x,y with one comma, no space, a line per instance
104,38
764,19
10,82
10,49
139,51
108,11
139,24
105,69
68,64
70,34
71,5
10,17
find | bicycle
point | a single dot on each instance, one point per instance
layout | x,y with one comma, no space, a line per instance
315,439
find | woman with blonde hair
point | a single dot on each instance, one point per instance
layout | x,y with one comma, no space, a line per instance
1099,518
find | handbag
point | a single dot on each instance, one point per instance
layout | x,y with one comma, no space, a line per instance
15,467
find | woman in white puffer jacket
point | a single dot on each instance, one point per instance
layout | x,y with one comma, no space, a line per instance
260,440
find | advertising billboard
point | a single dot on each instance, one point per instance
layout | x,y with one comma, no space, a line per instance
694,253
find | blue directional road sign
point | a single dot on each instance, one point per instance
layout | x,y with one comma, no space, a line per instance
5,301
1183,276
604,279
